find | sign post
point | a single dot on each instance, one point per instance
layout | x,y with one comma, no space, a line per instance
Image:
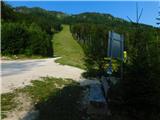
115,49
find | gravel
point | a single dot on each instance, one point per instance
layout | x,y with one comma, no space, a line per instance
19,73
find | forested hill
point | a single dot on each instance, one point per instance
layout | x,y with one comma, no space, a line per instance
90,17
93,17
86,17
39,20
40,12
28,33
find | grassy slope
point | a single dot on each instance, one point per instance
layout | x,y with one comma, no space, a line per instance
66,47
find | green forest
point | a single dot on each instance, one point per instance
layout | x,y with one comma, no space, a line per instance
138,92
29,31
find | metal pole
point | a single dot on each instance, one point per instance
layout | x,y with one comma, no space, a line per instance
122,70
122,38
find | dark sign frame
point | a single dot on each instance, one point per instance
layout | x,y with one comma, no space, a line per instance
115,45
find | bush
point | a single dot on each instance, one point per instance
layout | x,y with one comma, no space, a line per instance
14,38
93,38
20,38
139,92
39,41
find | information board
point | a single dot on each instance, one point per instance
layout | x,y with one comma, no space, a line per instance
115,45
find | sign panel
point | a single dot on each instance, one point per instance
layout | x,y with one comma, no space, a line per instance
115,45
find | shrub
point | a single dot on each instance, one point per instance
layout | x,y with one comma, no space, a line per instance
21,38
14,38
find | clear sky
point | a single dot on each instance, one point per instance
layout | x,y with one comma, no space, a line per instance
117,9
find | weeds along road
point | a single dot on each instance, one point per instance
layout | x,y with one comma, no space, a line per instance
19,73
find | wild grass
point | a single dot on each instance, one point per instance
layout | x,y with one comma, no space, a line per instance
8,103
21,57
54,98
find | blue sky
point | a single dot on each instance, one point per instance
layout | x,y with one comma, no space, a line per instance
117,9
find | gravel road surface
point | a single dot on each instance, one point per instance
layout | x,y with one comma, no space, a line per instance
19,73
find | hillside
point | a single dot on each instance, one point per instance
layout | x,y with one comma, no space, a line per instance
26,34
50,22
36,11
86,17
67,47
93,17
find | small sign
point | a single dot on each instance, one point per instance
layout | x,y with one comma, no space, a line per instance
125,56
115,45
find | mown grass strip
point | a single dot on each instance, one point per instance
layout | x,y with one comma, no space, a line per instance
69,49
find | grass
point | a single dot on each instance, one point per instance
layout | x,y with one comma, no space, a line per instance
21,57
7,103
68,48
41,89
57,99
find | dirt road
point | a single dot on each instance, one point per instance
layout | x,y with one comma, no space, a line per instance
19,73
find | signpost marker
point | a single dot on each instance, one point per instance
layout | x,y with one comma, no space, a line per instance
115,50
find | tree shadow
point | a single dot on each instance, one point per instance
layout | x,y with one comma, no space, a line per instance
65,104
